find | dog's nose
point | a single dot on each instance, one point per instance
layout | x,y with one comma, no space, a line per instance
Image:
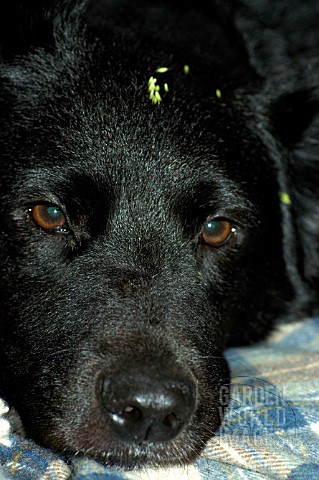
148,409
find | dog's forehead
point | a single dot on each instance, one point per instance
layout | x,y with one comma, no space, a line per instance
111,134
131,173
117,146
142,155
102,123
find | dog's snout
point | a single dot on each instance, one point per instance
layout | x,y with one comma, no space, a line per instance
147,409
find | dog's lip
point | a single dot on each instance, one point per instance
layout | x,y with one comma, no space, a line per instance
120,454
182,449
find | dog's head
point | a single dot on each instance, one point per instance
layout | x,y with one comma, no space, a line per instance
138,239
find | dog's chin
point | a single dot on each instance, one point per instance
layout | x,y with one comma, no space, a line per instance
182,451
94,440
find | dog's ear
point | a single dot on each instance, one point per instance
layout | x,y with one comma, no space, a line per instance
282,41
35,23
295,119
296,122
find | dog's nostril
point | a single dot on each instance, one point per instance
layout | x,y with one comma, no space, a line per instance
143,409
133,414
171,421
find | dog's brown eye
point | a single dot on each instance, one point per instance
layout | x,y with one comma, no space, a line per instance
48,217
216,232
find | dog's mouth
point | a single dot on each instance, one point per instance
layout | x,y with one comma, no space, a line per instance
163,428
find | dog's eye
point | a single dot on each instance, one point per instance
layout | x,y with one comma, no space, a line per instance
48,217
217,232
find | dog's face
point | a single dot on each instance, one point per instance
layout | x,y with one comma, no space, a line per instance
138,241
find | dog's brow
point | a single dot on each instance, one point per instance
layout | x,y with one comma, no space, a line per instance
215,195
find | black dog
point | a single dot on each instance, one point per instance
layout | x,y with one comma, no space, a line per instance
159,189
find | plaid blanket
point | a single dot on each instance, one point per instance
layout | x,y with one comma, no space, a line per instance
271,430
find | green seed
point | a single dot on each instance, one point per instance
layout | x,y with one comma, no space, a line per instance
166,87
162,70
285,198
186,69
218,93
151,83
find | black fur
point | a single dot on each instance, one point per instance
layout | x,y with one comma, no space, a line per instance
127,297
